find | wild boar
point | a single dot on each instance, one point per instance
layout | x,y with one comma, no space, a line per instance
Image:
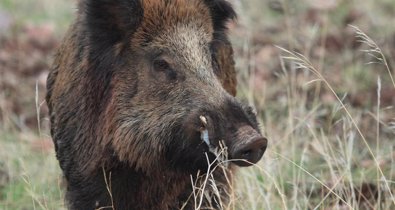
141,94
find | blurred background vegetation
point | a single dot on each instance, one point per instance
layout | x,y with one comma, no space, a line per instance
322,155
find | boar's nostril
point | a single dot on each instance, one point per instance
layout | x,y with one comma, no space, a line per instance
251,152
247,153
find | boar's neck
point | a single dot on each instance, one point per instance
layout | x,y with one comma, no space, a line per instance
132,189
129,190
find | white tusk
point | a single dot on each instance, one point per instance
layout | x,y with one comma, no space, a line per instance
204,120
204,131
204,136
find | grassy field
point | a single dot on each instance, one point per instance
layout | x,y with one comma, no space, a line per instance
324,93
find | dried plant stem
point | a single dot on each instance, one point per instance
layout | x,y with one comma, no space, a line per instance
378,130
312,176
38,110
109,189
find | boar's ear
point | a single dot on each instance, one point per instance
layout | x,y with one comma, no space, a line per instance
221,12
111,21
224,65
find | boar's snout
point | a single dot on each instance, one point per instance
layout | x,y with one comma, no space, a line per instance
248,146
233,124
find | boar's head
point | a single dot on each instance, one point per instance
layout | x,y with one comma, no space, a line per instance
154,69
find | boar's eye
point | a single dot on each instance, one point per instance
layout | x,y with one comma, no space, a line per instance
163,67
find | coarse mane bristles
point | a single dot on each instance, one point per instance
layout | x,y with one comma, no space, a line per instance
161,16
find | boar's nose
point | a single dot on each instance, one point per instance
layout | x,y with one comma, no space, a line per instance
250,148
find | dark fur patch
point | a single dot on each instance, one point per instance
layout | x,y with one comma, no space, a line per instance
221,13
111,21
223,63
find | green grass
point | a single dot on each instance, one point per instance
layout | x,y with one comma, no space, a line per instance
57,12
33,176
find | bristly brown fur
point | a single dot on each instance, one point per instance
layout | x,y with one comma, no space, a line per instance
126,86
161,16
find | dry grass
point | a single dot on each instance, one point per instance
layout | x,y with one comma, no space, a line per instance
319,156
